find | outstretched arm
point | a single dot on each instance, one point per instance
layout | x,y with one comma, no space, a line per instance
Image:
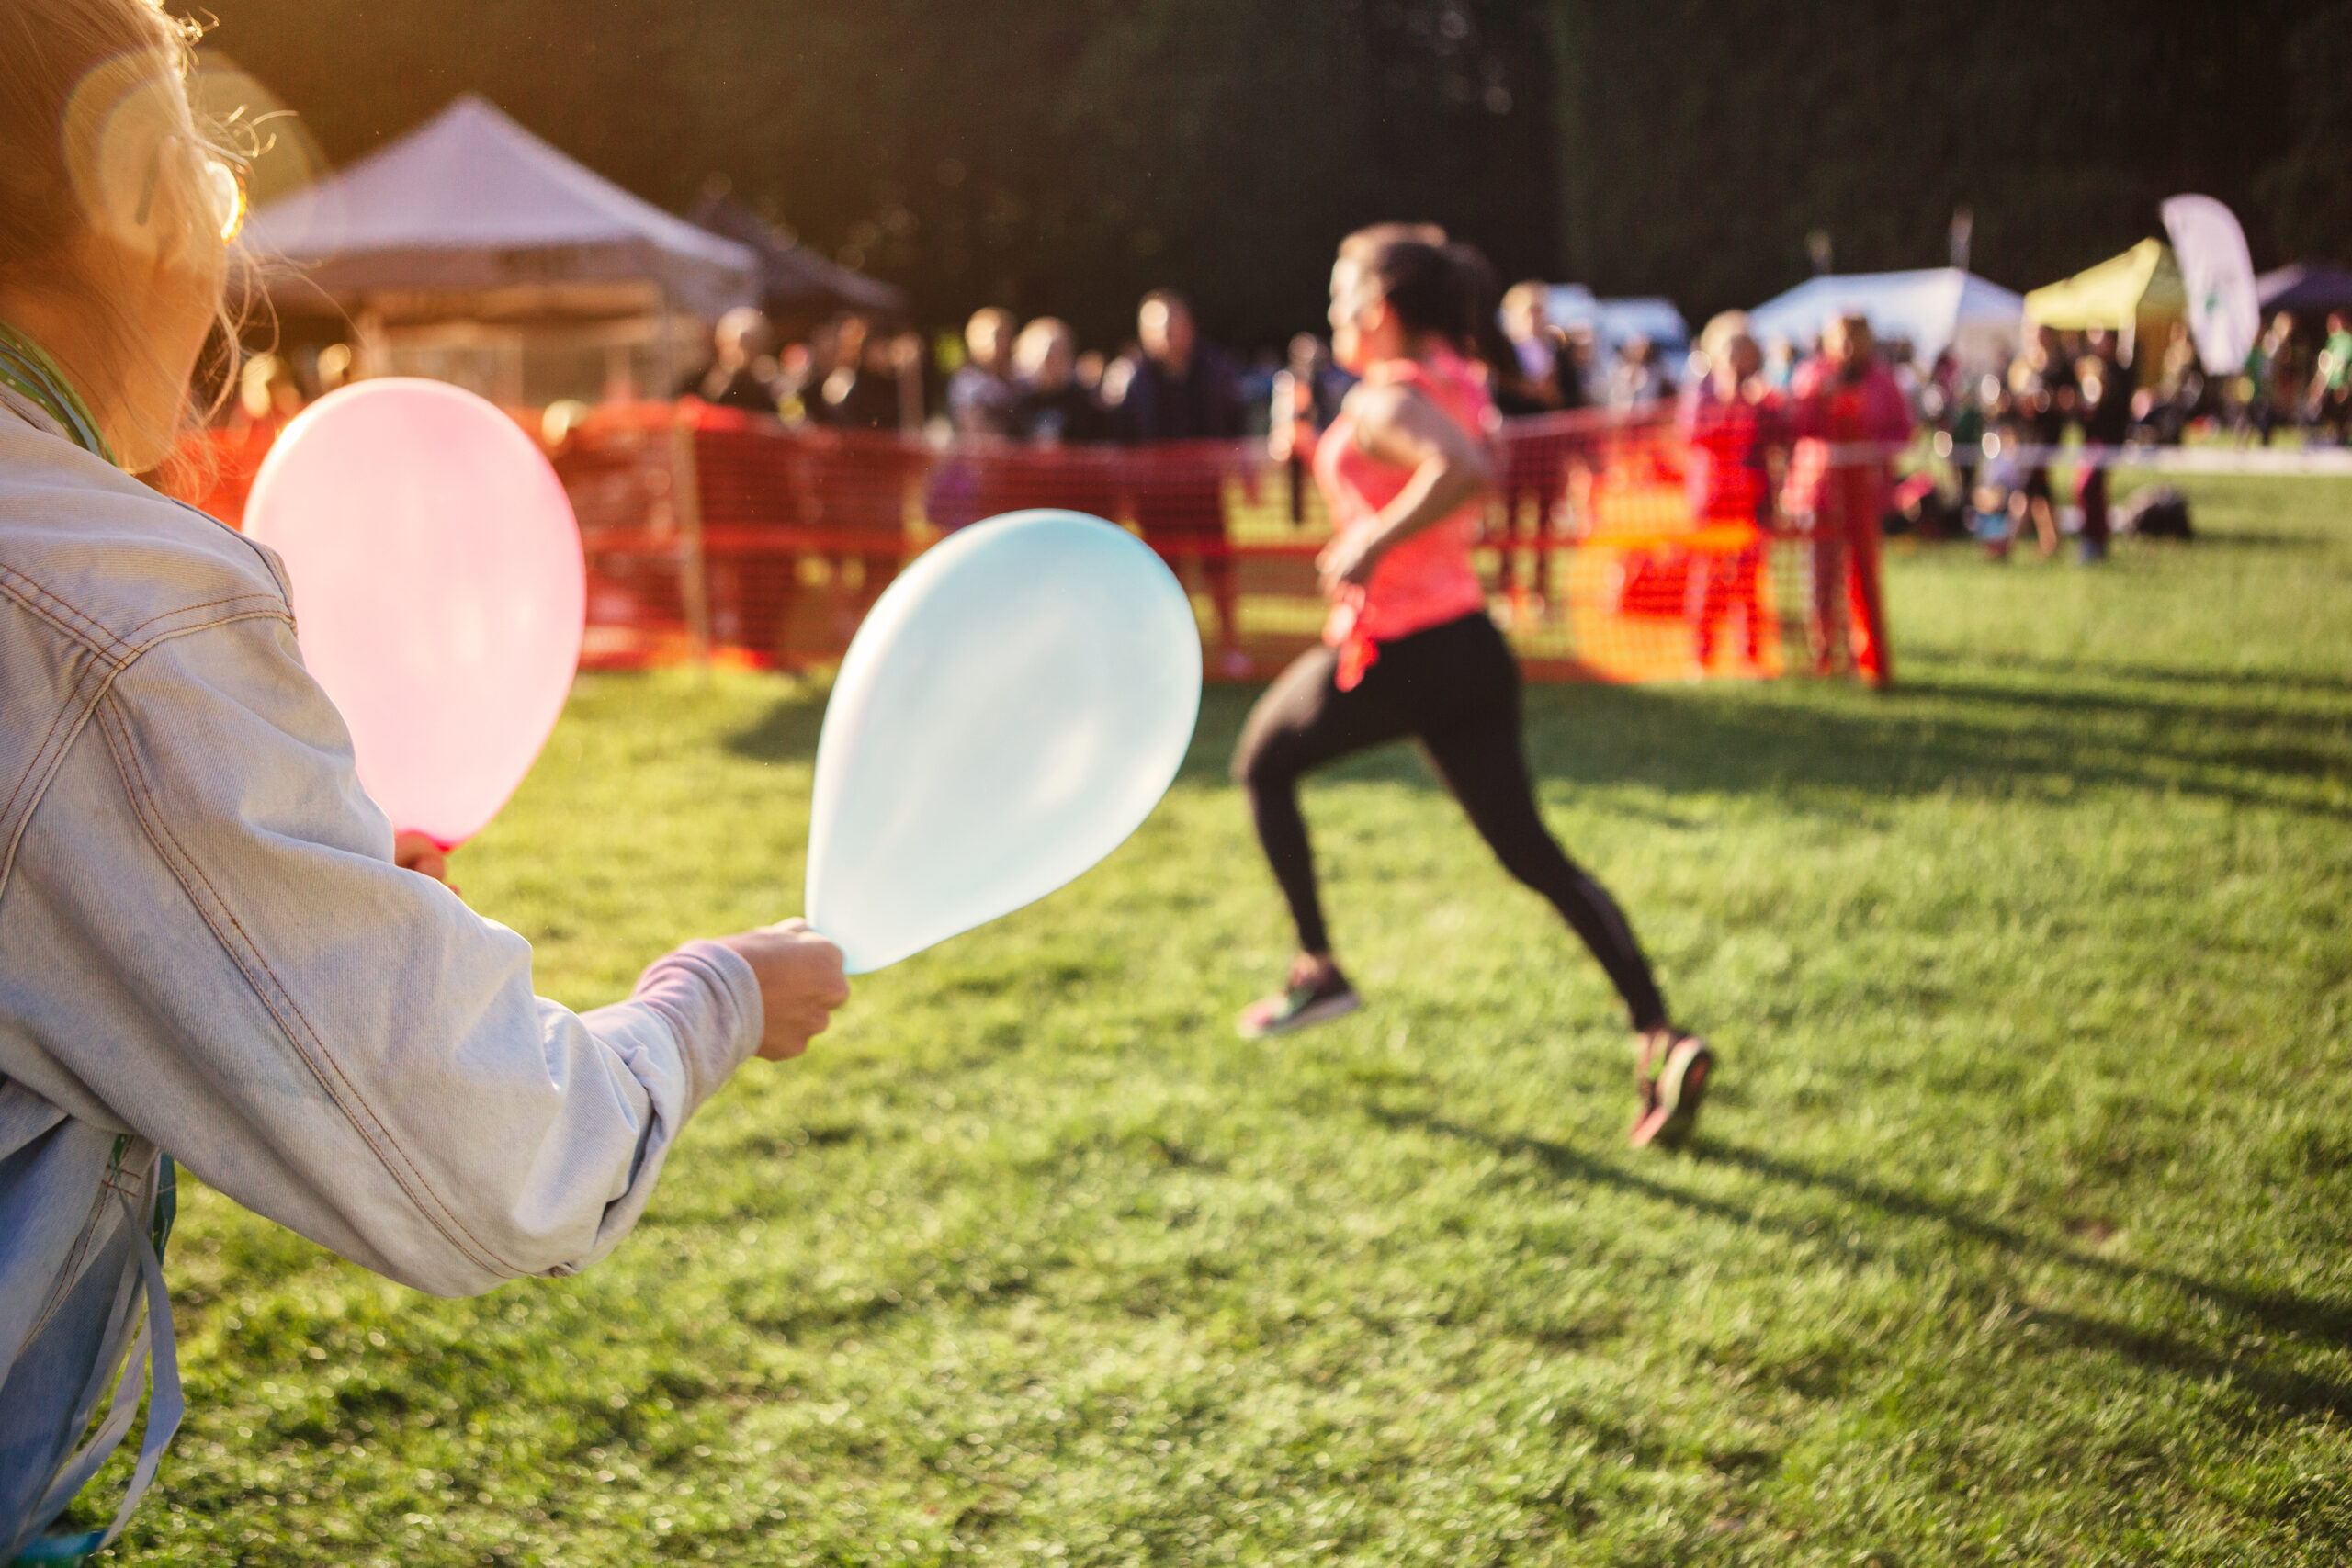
216,951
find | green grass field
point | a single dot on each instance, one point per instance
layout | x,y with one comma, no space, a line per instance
2015,1232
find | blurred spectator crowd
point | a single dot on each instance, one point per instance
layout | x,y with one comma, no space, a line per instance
1006,381
1826,446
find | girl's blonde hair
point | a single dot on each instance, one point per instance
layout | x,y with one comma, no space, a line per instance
1716,339
81,81
97,135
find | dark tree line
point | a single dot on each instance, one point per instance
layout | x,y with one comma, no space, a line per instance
1711,137
1064,155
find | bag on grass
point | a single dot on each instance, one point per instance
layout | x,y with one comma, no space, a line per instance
2154,512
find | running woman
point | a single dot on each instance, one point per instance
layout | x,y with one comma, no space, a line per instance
1409,650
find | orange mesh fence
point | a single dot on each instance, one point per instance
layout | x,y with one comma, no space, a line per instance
710,531
214,469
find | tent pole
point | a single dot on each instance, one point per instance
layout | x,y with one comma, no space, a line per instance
369,360
665,371
685,498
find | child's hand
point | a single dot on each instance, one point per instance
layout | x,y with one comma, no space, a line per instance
800,983
414,852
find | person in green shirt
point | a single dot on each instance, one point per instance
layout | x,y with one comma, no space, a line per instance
2330,398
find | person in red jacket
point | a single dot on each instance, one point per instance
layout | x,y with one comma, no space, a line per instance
1850,416
1731,424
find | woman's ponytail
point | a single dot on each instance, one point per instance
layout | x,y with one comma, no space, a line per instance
1437,289
1481,304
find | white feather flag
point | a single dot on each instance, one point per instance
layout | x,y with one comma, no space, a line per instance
2218,274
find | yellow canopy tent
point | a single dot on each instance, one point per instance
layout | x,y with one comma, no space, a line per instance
2137,294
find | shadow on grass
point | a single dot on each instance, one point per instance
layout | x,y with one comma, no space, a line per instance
2217,541
786,732
1929,736
2238,684
2277,1313
2206,739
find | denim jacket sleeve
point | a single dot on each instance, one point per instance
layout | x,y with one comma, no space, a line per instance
217,953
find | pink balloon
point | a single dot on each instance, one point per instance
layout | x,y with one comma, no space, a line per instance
439,591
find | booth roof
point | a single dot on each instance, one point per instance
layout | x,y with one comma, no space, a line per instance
2305,286
1934,308
2119,292
792,276
1571,306
469,199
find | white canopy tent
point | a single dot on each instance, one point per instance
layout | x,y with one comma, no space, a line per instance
470,233
1934,308
1571,307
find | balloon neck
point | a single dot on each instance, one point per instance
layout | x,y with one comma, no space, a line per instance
850,965
445,846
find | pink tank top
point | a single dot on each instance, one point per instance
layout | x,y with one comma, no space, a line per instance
1428,580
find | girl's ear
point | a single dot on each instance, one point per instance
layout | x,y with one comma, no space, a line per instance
117,135
164,216
195,199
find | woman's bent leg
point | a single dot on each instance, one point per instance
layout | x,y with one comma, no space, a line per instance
1478,747
1302,722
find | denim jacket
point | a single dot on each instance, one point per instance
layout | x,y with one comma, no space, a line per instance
206,950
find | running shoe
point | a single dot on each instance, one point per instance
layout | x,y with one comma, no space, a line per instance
1671,1080
1313,998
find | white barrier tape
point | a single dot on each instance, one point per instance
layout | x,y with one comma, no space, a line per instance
2325,461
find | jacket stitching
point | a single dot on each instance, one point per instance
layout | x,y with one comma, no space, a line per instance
42,607
114,658
106,671
323,1063
119,649
49,606
271,610
77,1263
151,820
126,759
268,598
284,589
33,765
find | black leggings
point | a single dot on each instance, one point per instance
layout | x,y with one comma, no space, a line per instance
1455,689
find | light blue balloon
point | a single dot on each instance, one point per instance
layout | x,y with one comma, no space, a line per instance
1013,707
